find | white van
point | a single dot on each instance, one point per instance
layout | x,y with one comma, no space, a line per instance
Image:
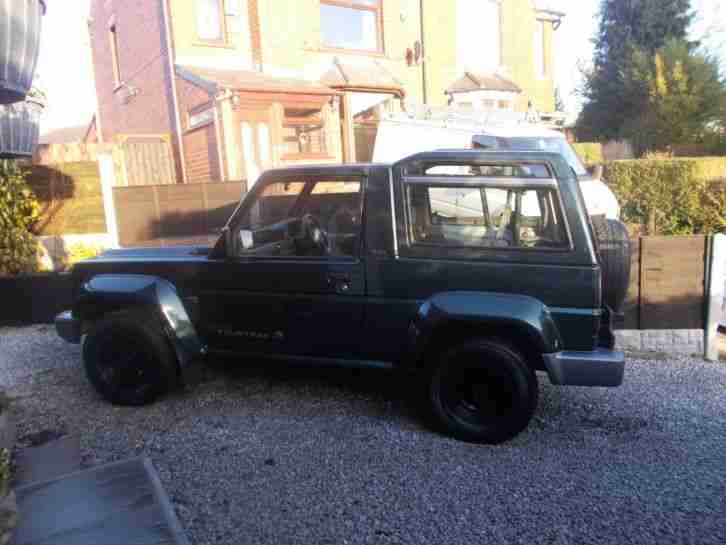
402,135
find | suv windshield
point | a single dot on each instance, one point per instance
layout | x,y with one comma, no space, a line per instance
554,144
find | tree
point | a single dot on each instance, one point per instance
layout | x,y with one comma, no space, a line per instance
684,95
627,27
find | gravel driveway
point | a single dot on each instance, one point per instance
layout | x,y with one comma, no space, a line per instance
335,457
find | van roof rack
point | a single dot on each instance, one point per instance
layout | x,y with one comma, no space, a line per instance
454,117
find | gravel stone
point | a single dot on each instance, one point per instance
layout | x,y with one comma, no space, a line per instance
282,455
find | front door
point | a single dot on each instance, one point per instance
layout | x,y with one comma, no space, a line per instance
293,282
256,143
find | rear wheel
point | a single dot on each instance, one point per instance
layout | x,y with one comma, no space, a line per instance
129,360
482,391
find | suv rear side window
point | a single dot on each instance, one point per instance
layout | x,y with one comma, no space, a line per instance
487,217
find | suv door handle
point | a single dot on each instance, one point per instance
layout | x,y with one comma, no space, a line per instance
340,282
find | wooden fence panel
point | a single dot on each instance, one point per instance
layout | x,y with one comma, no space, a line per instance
148,163
169,214
135,163
672,282
136,214
70,198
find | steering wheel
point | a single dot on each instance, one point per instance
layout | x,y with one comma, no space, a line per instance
315,237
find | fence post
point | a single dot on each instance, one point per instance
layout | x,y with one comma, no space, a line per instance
715,295
108,179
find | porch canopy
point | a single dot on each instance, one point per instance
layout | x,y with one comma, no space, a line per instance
215,81
483,82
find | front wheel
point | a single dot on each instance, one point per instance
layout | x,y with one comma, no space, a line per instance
482,391
128,359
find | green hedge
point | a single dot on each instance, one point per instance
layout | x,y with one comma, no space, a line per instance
590,153
671,196
18,212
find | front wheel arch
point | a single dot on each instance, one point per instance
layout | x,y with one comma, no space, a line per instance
137,340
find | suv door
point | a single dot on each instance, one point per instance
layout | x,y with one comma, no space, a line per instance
293,281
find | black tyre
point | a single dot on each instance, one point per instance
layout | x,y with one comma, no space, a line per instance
613,244
129,360
482,391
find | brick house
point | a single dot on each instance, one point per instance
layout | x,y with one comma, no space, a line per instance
238,86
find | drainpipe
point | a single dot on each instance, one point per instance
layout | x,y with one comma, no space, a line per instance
253,14
99,128
423,53
218,127
175,97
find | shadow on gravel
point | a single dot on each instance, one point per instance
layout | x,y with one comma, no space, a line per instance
399,396
390,392
385,383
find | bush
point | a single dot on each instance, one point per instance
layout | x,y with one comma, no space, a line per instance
80,252
671,196
590,153
19,209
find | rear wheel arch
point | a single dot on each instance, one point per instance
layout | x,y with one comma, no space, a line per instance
455,332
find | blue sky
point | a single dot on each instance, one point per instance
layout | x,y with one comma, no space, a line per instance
64,64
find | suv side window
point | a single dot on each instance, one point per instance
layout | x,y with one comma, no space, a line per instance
303,219
486,217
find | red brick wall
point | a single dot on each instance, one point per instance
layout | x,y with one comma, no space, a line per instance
144,66
200,155
190,96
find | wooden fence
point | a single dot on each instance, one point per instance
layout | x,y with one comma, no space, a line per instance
135,162
70,198
168,214
667,283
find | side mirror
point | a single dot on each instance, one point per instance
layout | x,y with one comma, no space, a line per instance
246,239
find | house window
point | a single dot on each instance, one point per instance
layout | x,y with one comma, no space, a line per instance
488,104
115,62
199,117
351,24
478,35
540,64
504,104
210,20
303,132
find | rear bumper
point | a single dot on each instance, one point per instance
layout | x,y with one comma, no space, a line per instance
596,368
68,327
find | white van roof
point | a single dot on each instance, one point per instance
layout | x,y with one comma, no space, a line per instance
498,123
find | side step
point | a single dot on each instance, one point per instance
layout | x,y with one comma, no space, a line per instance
113,504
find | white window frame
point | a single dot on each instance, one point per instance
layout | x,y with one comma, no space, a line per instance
222,24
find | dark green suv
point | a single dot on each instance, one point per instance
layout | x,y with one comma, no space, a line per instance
471,270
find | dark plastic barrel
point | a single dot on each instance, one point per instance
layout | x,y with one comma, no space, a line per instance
20,24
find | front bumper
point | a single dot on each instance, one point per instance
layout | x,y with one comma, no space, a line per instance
596,368
68,327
